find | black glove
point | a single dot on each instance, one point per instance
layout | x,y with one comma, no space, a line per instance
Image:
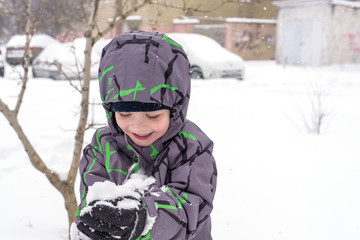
108,220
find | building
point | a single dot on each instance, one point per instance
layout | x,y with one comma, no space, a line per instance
247,28
318,32
160,16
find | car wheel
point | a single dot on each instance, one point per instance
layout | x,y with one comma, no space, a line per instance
196,72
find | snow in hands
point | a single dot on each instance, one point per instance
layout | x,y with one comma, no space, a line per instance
135,186
115,211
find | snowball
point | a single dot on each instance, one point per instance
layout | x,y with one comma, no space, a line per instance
108,190
137,184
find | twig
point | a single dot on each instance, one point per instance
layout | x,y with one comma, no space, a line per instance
26,63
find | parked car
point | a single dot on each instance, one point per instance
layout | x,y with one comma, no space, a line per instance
15,47
66,60
2,63
208,58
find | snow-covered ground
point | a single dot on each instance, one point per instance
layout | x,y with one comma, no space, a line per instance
275,179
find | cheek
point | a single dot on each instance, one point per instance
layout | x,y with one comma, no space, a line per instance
163,126
121,122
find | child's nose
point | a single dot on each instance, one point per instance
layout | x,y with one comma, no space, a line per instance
139,123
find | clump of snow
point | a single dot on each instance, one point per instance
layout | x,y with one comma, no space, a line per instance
164,188
134,187
139,182
149,224
127,204
102,192
108,190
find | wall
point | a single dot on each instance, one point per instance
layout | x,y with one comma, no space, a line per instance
318,32
301,34
344,42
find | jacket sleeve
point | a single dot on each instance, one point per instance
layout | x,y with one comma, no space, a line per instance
182,207
91,169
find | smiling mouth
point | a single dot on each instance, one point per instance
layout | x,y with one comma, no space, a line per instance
142,137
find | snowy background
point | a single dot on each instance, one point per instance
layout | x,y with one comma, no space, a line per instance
275,179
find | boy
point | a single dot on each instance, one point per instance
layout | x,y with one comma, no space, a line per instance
150,174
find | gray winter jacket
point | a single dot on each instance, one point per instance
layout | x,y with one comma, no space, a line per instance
150,67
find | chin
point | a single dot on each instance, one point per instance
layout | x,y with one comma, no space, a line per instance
142,143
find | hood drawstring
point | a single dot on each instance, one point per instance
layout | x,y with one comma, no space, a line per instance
133,166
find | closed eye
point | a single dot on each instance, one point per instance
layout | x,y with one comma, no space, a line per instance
124,115
153,116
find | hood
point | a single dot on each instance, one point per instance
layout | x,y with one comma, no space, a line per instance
145,67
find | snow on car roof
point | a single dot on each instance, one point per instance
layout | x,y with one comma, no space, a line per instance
71,52
203,46
38,40
193,40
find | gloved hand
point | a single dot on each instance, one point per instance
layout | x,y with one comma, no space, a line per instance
120,218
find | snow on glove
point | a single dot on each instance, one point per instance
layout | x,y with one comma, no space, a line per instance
116,211
123,217
75,234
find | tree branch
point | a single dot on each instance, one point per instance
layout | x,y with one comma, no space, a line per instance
26,63
185,8
83,10
80,131
30,150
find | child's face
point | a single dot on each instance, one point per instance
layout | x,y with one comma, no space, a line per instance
144,128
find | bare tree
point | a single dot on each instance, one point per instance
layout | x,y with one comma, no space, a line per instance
92,33
321,111
66,188
47,15
316,113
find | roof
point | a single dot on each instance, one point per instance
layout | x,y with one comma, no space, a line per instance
301,3
185,21
346,3
249,20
